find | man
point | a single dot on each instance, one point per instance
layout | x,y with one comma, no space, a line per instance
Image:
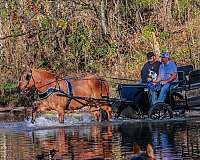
151,65
167,74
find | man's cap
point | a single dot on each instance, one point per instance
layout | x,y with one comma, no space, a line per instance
164,55
150,54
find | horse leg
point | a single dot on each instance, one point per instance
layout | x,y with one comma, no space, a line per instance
38,107
120,109
108,109
33,112
61,115
33,116
26,113
95,113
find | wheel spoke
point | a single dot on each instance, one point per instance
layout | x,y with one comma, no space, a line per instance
160,112
164,113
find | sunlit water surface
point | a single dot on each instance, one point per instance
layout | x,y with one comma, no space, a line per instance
81,138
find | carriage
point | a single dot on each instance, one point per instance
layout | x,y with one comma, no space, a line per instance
184,95
133,100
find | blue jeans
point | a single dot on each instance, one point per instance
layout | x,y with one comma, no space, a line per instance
153,90
163,92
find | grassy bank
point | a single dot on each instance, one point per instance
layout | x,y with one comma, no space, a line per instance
8,93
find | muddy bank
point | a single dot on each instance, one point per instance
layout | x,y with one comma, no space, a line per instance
7,107
13,112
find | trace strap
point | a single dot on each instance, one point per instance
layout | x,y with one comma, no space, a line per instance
69,86
51,90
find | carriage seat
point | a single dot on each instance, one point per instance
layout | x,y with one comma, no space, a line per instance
186,69
188,80
190,83
183,73
194,79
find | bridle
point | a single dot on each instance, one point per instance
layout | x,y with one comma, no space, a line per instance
31,93
28,78
34,91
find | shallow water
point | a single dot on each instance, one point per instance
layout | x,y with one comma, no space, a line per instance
81,138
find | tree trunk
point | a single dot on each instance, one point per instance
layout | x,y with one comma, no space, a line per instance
1,36
103,17
178,7
167,6
156,46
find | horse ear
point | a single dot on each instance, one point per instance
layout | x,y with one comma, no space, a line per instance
150,152
27,68
30,64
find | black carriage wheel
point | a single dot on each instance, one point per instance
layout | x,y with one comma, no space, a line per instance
131,111
160,111
138,112
126,110
117,108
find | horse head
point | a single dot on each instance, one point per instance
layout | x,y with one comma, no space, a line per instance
36,80
26,81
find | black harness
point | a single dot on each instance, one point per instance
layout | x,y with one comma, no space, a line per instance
51,90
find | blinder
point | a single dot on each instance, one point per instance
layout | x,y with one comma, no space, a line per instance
28,77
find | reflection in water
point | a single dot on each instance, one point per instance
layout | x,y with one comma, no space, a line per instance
138,154
178,140
15,145
78,143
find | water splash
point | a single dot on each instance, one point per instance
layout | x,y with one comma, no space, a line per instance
50,121
47,121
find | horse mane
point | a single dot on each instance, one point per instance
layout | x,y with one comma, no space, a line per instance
45,73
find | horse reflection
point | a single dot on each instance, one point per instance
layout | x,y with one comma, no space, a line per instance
76,146
138,154
48,86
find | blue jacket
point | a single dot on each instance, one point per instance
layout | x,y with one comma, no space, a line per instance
145,70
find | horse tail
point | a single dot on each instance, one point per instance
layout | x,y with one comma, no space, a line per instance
104,89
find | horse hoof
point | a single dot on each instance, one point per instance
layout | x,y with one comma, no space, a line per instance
115,117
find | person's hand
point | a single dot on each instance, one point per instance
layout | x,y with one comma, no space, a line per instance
149,79
163,82
154,83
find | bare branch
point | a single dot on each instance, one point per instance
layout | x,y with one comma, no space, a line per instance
30,32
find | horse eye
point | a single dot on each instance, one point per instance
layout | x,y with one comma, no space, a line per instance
28,77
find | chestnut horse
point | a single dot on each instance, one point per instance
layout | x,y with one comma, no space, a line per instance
58,94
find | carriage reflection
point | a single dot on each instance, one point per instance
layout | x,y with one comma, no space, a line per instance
169,141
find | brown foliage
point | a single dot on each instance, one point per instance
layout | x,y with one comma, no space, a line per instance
105,37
